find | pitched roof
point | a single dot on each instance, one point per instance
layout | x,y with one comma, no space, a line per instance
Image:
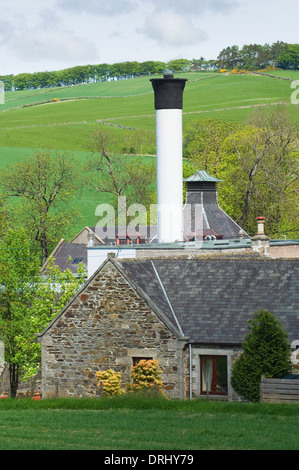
83,237
210,299
201,175
213,298
67,256
202,208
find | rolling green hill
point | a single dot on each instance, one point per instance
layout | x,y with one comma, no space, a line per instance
31,119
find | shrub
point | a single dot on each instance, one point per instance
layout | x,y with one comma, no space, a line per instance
266,351
145,375
111,382
238,71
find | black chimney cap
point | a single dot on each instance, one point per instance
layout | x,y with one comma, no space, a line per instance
168,92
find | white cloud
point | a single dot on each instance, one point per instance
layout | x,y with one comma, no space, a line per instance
46,40
5,30
170,28
178,23
99,7
52,43
194,7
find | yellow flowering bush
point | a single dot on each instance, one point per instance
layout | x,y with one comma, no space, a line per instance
145,375
239,71
269,68
111,382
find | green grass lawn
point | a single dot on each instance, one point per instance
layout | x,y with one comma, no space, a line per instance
146,424
291,74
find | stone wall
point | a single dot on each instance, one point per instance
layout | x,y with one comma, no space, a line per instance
105,326
284,251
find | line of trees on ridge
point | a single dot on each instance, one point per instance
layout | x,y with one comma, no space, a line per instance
249,57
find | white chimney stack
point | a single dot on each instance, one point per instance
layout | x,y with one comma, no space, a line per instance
169,159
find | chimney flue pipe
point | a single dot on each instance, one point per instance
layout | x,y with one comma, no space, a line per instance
169,157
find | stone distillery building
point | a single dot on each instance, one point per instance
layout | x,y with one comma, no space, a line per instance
189,314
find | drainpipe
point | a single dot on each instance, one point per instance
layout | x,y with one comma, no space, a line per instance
190,372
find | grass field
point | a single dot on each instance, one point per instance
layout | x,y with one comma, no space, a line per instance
146,424
125,108
66,124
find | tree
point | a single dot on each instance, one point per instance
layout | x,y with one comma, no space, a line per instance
289,58
116,174
198,64
229,58
266,351
259,163
28,302
179,65
204,143
46,183
263,167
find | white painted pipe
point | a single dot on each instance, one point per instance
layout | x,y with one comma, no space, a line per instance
169,175
169,155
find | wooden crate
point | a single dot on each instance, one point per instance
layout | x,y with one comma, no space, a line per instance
279,390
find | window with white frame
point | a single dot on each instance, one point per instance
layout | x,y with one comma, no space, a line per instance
213,375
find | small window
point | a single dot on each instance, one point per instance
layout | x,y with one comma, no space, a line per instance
213,375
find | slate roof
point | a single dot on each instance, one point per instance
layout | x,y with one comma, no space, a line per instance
202,190
201,175
68,256
214,297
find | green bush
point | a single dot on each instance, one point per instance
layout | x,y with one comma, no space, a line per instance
266,351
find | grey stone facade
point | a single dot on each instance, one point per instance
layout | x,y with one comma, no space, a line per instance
105,326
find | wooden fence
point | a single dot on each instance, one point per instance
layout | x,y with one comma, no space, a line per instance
279,390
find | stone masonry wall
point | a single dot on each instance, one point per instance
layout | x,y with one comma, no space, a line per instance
104,327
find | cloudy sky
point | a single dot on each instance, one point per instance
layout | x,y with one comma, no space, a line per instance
39,35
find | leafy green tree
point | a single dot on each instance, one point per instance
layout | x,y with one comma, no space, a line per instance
229,58
258,163
198,64
116,175
204,143
46,184
28,302
262,166
289,58
266,351
151,67
179,65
